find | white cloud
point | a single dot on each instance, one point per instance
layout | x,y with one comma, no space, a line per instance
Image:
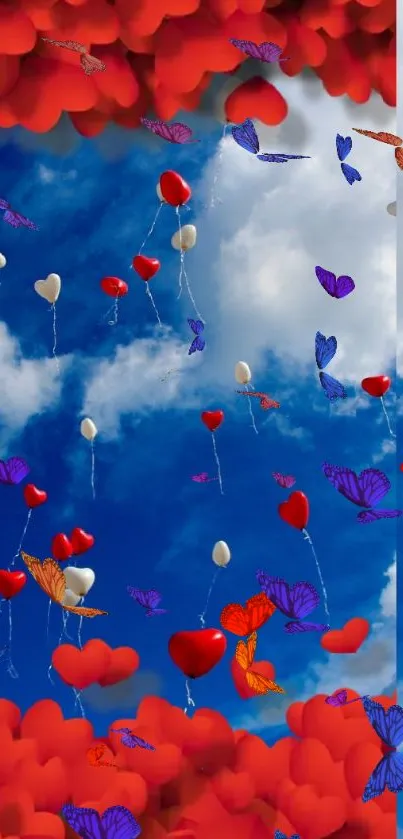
388,597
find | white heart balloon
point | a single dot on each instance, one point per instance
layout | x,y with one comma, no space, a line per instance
71,599
50,288
79,580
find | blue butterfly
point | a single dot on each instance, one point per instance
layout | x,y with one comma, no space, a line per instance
278,834
198,343
325,351
246,137
388,725
343,148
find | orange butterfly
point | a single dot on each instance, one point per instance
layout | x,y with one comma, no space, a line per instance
385,137
243,620
51,579
95,755
265,401
244,655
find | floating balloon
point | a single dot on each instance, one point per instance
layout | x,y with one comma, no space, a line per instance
221,556
392,208
114,287
195,653
11,583
377,386
243,376
50,290
3,261
212,420
33,497
89,430
62,548
81,542
295,512
147,267
80,582
185,239
174,189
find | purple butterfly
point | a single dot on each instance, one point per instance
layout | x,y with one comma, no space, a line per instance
339,698
336,287
203,478
15,219
246,137
388,725
148,600
295,602
131,740
176,132
278,834
365,490
267,51
115,823
198,343
13,470
285,481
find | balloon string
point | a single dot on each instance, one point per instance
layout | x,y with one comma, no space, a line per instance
64,633
151,230
148,292
93,469
203,614
48,620
182,272
55,339
190,703
218,464
17,553
10,668
115,310
251,412
322,582
78,702
392,433
80,626
217,169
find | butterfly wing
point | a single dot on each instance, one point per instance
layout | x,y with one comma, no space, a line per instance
246,137
346,482
270,52
84,611
343,146
85,821
387,723
197,326
388,774
332,387
382,136
399,158
18,220
259,609
261,685
278,591
4,205
285,481
266,403
95,754
136,741
245,651
325,350
118,823
327,280
368,516
351,175
337,699
17,470
303,599
144,598
248,47
374,486
234,619
48,575
158,127
296,627
344,286
197,345
151,612
4,473
281,158
181,133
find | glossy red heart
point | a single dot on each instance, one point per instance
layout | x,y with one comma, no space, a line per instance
61,547
146,266
196,652
174,189
114,287
376,385
80,541
295,511
33,496
348,639
11,583
212,419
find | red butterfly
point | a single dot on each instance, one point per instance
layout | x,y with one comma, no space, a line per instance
265,402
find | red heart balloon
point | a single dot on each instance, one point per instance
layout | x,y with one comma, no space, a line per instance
295,511
33,496
146,266
376,385
263,668
81,541
212,419
174,189
11,583
61,547
114,287
196,652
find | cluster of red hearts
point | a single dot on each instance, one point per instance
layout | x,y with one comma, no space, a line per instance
203,779
95,664
144,74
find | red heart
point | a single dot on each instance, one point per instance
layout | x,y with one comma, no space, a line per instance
146,266
123,663
212,419
196,652
80,541
82,668
33,496
349,639
174,189
61,547
376,385
295,511
11,583
264,668
114,287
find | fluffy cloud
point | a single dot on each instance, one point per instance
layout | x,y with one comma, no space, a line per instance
126,694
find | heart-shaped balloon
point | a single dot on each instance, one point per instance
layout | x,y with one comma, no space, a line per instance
11,583
81,541
61,547
114,287
212,419
79,580
123,663
71,599
376,385
146,266
348,639
263,668
50,288
295,511
197,651
81,668
33,496
174,189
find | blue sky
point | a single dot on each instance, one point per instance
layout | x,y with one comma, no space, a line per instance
252,273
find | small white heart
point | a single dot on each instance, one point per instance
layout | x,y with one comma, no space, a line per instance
70,599
50,288
79,580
